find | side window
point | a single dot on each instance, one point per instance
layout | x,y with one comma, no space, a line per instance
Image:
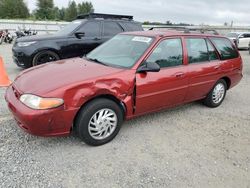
168,53
111,28
131,26
225,48
197,50
91,29
211,51
246,35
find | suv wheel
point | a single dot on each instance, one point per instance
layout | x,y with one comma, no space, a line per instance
44,57
99,122
216,95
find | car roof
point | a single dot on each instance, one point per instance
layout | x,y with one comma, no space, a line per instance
167,33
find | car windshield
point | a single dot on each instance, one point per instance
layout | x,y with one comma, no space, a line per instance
121,51
66,30
232,35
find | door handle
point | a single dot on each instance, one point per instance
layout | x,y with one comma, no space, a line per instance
217,67
97,38
179,75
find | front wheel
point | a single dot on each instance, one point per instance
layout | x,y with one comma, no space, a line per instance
44,57
99,121
216,95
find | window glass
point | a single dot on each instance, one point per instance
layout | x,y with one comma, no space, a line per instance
66,30
212,52
111,29
168,53
225,48
197,50
246,35
128,26
91,29
121,50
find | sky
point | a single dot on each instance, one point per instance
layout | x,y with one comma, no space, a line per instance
215,12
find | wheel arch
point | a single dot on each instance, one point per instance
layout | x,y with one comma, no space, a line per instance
227,80
104,96
46,49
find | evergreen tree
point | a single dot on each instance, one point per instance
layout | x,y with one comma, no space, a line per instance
45,10
59,13
13,9
71,11
85,8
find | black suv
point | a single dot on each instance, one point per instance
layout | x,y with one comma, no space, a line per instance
76,39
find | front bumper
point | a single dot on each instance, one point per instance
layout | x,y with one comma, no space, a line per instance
53,122
21,58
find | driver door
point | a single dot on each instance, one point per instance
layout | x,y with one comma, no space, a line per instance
88,42
156,90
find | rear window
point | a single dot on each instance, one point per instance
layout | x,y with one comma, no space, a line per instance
225,48
131,26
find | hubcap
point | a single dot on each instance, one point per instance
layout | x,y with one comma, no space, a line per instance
102,124
218,93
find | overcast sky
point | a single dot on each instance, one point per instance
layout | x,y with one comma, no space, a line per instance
188,11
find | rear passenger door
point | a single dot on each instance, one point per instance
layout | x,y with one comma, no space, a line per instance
203,67
110,29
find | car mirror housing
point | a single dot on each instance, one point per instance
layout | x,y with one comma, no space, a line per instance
148,67
79,35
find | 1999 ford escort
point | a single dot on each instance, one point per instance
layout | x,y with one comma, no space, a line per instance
130,75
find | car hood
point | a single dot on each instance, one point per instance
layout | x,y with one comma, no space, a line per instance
40,37
46,78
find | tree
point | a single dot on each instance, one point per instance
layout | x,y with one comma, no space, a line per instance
13,9
71,11
85,8
45,10
59,13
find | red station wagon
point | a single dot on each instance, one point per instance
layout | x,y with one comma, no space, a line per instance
130,75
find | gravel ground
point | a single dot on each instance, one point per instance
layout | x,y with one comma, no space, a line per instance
188,146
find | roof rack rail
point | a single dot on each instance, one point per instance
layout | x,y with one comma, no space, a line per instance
104,16
187,29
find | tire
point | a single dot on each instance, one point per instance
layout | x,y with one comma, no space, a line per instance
211,100
44,57
85,125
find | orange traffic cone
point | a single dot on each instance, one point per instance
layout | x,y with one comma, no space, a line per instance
4,79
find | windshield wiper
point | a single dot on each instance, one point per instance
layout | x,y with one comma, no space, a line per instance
97,61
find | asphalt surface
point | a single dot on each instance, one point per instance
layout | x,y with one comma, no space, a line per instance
188,146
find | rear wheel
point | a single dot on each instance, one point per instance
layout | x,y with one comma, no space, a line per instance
216,95
44,57
99,122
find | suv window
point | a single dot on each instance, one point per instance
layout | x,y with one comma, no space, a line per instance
225,48
168,53
197,50
212,52
111,29
246,35
91,29
131,26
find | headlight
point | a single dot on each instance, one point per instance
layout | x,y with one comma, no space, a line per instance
39,103
24,44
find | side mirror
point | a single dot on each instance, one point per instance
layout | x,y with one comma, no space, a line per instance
241,36
79,35
148,67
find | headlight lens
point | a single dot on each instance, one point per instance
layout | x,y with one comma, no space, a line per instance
39,103
24,44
